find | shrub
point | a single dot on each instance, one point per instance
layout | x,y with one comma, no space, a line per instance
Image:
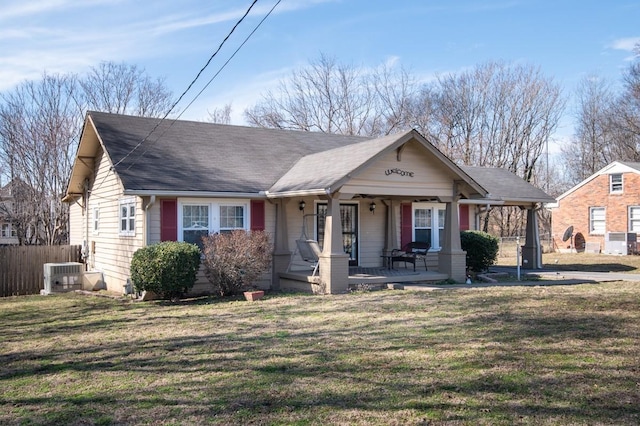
235,260
481,248
167,269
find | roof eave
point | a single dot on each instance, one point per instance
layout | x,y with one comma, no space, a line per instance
198,194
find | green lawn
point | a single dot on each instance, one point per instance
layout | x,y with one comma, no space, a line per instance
530,355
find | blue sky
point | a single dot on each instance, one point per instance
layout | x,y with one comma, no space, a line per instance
567,39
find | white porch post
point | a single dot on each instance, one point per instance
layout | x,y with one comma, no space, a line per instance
334,262
281,252
452,260
531,251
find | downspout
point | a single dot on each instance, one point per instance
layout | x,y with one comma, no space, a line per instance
85,212
152,201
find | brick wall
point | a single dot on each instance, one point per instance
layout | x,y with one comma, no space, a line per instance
573,210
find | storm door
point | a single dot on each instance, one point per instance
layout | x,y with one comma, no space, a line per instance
349,221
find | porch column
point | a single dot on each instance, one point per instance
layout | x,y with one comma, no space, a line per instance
452,260
531,251
334,262
390,237
281,252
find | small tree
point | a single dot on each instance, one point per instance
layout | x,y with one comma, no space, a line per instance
235,260
481,248
167,269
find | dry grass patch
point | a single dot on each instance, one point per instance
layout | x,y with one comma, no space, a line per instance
584,262
540,355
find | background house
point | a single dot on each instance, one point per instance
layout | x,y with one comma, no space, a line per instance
8,229
606,205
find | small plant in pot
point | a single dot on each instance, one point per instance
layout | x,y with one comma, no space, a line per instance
234,261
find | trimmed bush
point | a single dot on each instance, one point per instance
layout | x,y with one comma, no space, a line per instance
167,269
481,248
234,261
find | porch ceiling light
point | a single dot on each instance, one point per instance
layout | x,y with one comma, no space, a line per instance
372,207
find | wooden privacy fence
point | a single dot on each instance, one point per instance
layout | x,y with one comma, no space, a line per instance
22,267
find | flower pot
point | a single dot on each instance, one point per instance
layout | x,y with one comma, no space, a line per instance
254,295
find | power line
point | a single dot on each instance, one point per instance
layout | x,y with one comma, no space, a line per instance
209,82
190,85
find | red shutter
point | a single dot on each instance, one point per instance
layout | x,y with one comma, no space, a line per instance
257,215
464,216
406,223
169,220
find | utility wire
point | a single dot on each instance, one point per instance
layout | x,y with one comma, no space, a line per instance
190,85
208,83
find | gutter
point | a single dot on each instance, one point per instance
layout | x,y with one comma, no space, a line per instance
202,194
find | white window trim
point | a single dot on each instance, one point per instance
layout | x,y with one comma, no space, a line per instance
95,219
214,212
591,227
5,230
630,221
128,202
436,244
616,191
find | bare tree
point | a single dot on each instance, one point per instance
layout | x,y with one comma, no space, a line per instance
221,115
39,127
333,98
625,115
589,151
125,89
40,123
495,115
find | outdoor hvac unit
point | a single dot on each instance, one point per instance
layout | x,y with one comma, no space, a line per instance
62,277
620,243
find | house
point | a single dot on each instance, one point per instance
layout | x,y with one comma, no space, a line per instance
138,181
604,205
8,229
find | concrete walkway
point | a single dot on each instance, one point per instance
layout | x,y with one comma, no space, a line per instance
546,277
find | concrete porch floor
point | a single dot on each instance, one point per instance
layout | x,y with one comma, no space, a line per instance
302,280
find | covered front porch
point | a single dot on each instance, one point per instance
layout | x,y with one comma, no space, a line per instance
361,278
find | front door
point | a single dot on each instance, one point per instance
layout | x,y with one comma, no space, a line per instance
349,221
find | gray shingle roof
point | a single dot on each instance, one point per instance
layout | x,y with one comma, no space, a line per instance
181,156
196,156
323,169
505,185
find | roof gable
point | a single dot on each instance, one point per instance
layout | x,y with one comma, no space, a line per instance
611,168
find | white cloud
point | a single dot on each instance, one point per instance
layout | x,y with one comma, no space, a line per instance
628,43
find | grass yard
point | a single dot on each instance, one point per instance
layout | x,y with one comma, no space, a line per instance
584,262
563,355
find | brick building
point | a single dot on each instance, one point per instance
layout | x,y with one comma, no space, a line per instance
602,209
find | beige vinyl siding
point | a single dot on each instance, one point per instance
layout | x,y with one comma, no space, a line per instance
110,252
371,234
390,176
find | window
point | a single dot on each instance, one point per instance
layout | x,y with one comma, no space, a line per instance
95,219
6,230
428,223
634,219
199,219
422,225
615,183
127,217
231,217
195,223
597,220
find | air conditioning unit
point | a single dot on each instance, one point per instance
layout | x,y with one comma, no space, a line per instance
620,243
62,277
